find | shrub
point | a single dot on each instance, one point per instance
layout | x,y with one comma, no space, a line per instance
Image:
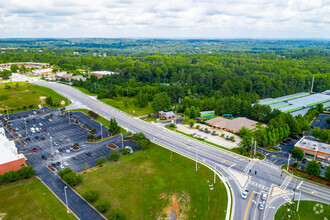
116,213
198,126
172,125
85,166
138,136
101,161
91,195
70,177
143,144
93,114
103,205
124,151
114,155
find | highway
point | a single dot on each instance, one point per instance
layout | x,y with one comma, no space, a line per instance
260,176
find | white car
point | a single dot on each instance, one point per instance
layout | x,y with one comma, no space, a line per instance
130,149
65,163
244,194
261,206
40,124
62,167
68,151
264,196
56,151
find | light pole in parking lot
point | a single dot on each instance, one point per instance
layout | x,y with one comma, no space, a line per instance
7,112
51,144
69,118
287,167
122,140
66,199
101,132
25,126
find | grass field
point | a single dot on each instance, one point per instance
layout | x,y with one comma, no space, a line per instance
306,211
25,94
146,185
119,103
30,199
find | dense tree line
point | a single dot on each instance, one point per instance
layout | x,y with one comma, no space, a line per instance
11,176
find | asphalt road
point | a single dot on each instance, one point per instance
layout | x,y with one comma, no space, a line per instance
267,176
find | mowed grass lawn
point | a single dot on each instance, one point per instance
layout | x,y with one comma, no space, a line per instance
119,103
146,185
306,211
24,95
30,199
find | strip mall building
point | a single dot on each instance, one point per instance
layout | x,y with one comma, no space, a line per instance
314,149
10,159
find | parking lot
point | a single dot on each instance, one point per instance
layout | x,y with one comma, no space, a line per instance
45,139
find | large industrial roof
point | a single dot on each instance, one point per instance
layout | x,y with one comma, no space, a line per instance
282,98
279,104
309,100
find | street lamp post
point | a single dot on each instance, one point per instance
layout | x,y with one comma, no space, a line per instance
122,141
66,199
215,170
69,118
51,144
287,167
7,112
25,126
101,132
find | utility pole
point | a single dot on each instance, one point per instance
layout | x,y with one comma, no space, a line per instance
298,201
215,170
122,141
196,157
69,117
51,144
25,126
312,84
251,148
255,147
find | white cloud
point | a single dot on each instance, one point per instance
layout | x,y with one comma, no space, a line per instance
167,18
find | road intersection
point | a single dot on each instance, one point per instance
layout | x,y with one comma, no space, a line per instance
262,176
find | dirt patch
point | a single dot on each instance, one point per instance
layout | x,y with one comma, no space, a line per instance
51,168
112,146
177,207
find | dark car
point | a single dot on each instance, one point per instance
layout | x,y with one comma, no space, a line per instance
60,150
53,164
28,139
36,137
44,157
58,163
75,158
42,138
45,129
304,160
89,154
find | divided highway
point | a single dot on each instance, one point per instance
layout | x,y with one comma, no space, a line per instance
262,176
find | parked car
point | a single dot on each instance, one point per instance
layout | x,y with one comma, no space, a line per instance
244,194
55,143
34,125
53,164
130,149
304,160
278,147
75,158
34,149
44,157
58,163
60,150
50,119
65,163
42,138
40,124
45,129
68,151
89,154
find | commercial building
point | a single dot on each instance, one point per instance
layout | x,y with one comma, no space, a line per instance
26,64
298,103
40,72
207,114
314,149
233,125
9,157
166,115
100,74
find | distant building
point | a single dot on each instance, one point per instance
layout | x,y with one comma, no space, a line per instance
100,74
26,64
166,115
232,125
9,157
40,72
314,149
76,53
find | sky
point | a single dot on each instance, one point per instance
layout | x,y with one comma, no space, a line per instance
210,19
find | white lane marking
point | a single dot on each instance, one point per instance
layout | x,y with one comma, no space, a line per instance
300,184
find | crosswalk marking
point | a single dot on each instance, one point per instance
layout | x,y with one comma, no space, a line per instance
259,185
248,167
286,182
271,165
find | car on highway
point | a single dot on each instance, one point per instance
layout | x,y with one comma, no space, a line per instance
189,144
44,157
261,206
245,194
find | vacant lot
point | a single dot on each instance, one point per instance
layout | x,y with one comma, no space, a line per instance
146,185
30,199
308,210
126,104
18,94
